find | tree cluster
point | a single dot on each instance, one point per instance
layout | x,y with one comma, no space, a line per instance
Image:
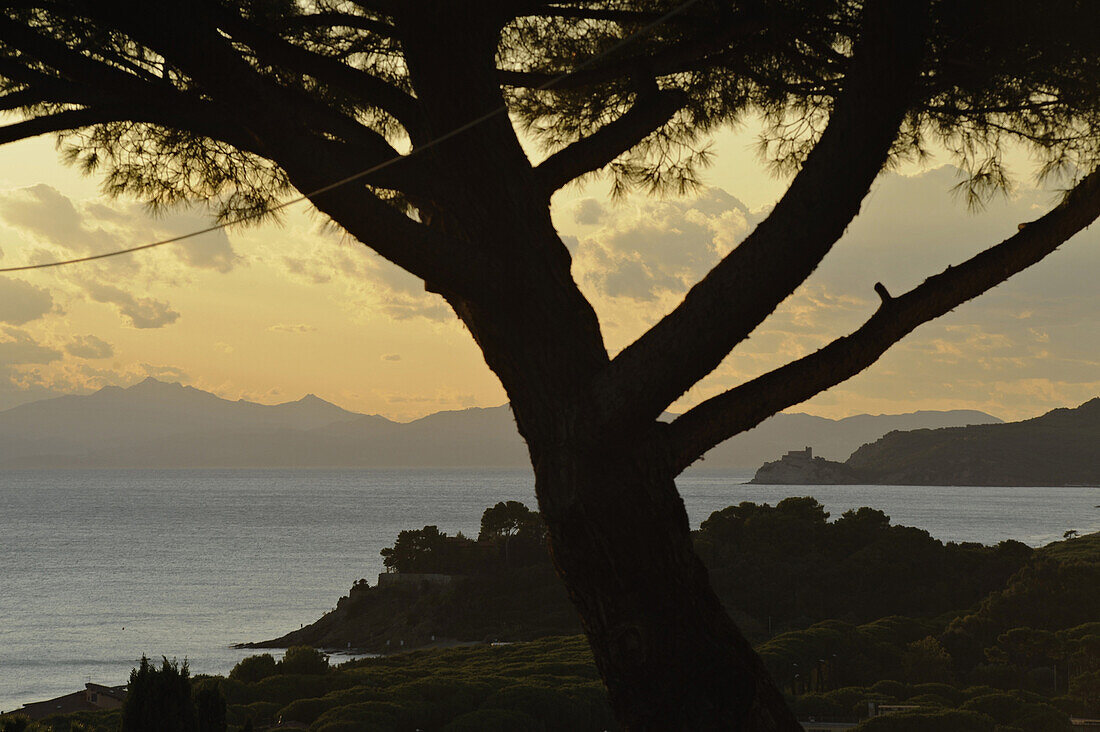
165,700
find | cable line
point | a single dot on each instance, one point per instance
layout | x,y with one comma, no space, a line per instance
368,171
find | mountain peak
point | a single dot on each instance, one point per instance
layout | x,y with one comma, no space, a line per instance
151,382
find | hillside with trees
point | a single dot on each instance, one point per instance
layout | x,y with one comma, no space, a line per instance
1058,448
1021,657
777,569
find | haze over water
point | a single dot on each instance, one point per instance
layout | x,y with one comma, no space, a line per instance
99,567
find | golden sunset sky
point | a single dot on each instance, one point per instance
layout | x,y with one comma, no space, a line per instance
271,313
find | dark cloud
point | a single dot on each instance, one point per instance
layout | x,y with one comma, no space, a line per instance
18,347
142,312
89,346
165,373
22,302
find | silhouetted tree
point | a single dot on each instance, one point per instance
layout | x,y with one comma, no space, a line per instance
416,550
209,706
241,101
303,660
510,518
254,668
159,700
517,530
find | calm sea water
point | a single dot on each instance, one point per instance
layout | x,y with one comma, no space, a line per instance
100,567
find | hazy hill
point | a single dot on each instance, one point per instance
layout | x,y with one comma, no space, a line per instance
156,424
831,439
1062,447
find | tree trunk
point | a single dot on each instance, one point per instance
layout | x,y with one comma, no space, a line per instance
670,655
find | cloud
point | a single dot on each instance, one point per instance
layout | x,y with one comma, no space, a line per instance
19,347
309,270
369,282
292,328
589,212
392,357
165,373
22,302
94,226
90,346
142,312
52,217
211,250
657,248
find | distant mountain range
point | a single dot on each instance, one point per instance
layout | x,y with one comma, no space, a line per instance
1062,447
161,425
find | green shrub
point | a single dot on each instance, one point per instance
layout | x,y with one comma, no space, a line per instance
254,668
819,705
361,716
1020,709
283,689
894,689
494,720
940,721
305,710
261,713
304,660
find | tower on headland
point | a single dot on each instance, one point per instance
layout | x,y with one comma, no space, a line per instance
807,454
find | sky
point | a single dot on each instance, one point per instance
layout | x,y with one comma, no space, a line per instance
272,313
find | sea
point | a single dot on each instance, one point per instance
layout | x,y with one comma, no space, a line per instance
98,567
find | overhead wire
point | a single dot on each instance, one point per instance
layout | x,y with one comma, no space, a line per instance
644,30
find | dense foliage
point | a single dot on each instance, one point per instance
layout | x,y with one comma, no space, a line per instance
775,567
552,684
159,699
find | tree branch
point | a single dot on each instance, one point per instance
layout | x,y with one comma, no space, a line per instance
684,56
443,263
73,67
191,41
747,285
341,20
743,407
70,119
610,141
368,88
16,99
637,17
